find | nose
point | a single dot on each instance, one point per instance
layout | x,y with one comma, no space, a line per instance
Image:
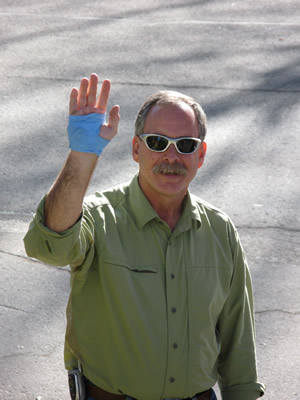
171,154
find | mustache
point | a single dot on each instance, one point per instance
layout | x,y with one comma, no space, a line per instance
166,168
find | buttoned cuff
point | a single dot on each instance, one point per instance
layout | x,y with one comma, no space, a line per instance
250,391
47,245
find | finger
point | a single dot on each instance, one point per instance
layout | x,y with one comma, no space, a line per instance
103,97
92,90
82,98
73,106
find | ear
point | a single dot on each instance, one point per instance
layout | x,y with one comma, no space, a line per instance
135,148
202,152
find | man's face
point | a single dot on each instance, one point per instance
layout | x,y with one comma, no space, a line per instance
172,121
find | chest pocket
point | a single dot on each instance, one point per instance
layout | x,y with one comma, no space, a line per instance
122,277
131,289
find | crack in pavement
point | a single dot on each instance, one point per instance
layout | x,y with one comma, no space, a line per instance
278,310
18,309
20,256
165,85
150,21
282,228
33,354
62,269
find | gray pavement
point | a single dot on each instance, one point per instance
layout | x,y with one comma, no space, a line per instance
241,61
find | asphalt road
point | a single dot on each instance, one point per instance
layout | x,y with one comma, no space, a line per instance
241,60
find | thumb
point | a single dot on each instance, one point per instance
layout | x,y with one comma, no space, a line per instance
114,118
109,130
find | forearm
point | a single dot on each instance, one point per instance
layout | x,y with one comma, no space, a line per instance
88,135
63,203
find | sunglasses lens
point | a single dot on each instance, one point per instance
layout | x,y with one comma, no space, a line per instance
156,143
187,145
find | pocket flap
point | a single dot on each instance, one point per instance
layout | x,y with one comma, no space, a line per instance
131,267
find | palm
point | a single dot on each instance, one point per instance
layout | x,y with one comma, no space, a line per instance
84,101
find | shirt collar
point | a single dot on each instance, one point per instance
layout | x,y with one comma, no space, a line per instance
191,211
139,204
144,212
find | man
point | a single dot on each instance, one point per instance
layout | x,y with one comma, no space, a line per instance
161,299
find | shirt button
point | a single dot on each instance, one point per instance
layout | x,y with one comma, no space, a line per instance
172,380
173,310
175,345
172,276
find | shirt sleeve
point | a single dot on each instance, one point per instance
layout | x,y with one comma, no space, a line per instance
237,359
71,247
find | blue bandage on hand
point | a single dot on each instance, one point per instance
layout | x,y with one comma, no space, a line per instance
84,133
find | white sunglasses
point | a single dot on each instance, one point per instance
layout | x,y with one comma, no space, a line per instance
160,143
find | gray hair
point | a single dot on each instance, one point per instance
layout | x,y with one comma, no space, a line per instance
168,97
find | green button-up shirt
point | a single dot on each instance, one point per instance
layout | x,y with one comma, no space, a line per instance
153,313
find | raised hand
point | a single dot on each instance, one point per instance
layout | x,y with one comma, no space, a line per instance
84,101
63,202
